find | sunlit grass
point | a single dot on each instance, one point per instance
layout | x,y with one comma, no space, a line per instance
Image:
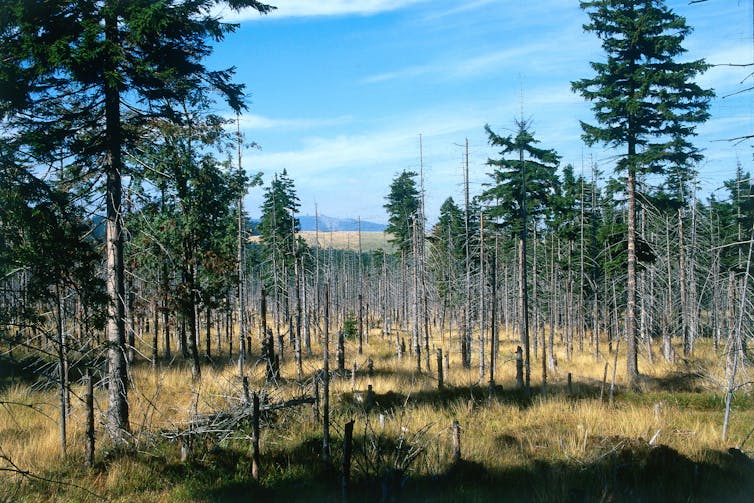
679,405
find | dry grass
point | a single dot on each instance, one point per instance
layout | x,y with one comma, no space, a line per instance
503,434
346,240
349,240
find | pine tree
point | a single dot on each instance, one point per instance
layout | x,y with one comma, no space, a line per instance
520,193
278,227
643,100
192,215
402,207
447,251
281,247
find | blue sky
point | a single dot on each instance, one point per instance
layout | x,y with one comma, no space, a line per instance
340,90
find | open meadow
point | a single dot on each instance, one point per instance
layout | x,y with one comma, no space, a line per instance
566,442
344,240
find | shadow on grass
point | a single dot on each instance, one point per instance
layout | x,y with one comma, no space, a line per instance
448,395
621,470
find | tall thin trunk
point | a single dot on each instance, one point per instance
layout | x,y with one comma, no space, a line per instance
466,337
524,294
493,318
240,299
415,282
299,316
193,325
208,331
632,364
361,297
482,307
534,296
694,301
117,413
155,332
62,369
682,289
326,382
667,344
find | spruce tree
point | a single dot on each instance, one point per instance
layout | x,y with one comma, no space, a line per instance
403,208
446,252
524,179
278,227
643,100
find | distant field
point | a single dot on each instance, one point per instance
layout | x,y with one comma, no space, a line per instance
347,240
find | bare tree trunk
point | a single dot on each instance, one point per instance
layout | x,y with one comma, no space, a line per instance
416,300
524,312
62,369
326,382
693,324
155,332
466,337
667,344
682,281
632,364
240,298
89,399
736,345
534,297
493,321
482,310
361,297
299,316
208,331
117,413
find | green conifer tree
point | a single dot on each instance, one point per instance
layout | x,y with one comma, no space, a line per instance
643,99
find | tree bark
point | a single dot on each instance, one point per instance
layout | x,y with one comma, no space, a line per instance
632,366
117,413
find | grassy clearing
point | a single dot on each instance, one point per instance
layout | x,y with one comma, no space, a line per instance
346,240
559,446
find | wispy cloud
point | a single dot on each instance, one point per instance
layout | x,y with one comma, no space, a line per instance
553,56
320,8
256,122
457,68
404,73
726,74
455,10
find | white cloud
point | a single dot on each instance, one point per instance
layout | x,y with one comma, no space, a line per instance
556,55
725,76
456,10
319,8
456,68
404,73
257,122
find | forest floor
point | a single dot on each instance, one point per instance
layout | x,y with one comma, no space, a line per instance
658,442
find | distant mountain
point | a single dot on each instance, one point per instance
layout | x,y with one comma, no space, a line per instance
328,224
